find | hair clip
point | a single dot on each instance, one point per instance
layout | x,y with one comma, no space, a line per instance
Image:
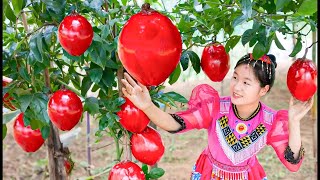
264,58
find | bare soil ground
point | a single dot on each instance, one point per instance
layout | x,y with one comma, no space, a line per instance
181,150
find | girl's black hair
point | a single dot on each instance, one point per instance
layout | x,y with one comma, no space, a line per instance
263,71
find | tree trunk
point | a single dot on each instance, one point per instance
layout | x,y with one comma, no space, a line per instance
56,155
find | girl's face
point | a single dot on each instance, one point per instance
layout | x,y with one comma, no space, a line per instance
245,87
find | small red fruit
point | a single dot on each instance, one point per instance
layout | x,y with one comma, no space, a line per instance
147,146
75,34
29,140
65,109
6,97
68,164
126,170
215,62
132,118
149,46
302,79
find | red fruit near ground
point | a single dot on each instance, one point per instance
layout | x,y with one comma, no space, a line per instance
147,146
302,79
132,118
68,164
149,47
6,97
126,170
75,34
215,62
29,140
65,109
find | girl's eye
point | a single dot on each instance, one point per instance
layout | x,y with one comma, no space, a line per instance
246,83
234,77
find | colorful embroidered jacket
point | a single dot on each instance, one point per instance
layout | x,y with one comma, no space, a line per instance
233,143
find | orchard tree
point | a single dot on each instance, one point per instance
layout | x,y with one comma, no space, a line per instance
38,62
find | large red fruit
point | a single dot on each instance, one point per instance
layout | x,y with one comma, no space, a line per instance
301,79
215,62
29,140
126,170
149,46
147,146
132,118
75,34
6,97
65,109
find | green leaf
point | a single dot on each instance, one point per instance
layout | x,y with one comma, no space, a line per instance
24,74
85,85
194,58
18,5
156,173
95,74
184,61
4,131
297,48
278,43
7,117
9,14
308,7
176,97
246,8
239,20
247,36
258,51
105,31
91,104
25,101
108,77
56,8
174,76
34,48
281,3
45,131
232,42
144,168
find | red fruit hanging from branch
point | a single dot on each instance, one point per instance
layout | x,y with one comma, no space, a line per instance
132,118
215,62
126,170
6,97
75,34
149,46
147,146
65,109
302,78
28,139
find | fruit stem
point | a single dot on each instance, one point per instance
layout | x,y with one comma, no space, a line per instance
306,51
145,8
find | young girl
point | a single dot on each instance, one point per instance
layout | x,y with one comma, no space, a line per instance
239,125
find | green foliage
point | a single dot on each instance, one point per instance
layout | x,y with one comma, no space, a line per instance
31,48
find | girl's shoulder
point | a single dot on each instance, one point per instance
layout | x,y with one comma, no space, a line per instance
268,114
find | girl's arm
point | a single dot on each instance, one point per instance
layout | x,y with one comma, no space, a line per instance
296,112
139,95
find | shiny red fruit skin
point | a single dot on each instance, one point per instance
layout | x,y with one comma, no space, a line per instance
302,79
29,140
147,146
126,170
64,109
132,118
75,34
68,166
149,47
6,97
215,62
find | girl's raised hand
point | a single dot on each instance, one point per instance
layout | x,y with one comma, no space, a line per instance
298,109
137,93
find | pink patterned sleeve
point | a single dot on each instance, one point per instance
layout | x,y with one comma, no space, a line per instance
278,138
203,106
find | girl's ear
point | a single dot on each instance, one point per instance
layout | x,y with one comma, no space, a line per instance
264,90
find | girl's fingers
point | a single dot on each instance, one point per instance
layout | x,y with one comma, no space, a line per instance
291,101
143,87
130,80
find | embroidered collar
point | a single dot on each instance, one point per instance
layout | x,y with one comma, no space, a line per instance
235,110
